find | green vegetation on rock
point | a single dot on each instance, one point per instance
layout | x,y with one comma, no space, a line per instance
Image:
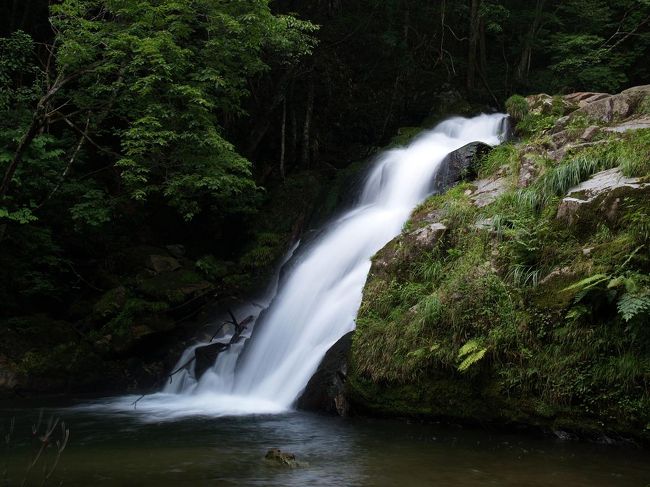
512,315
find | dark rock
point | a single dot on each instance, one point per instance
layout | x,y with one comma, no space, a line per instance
206,357
8,377
277,457
325,391
163,263
110,303
460,164
177,250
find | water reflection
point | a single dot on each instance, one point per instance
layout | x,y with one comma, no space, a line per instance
121,449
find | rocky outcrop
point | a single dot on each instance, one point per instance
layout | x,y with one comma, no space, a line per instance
325,391
607,109
488,190
206,357
584,98
544,104
600,198
460,164
427,236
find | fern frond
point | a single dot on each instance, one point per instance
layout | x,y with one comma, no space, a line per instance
587,283
632,305
471,359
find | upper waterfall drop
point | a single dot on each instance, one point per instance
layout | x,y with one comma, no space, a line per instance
317,300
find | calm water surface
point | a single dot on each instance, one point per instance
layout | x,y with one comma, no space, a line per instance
124,449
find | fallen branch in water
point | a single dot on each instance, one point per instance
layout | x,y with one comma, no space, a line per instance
239,329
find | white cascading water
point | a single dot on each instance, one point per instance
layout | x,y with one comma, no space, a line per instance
317,301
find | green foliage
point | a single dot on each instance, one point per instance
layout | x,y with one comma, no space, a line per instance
631,306
212,267
503,155
561,315
536,123
517,107
470,354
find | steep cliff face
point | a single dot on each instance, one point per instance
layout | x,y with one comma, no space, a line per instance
523,296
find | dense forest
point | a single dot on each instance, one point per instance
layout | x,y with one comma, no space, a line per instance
157,155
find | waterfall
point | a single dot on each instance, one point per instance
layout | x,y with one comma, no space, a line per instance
318,297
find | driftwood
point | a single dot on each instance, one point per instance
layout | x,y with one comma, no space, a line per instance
205,356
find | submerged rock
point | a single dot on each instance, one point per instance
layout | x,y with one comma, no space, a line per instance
278,458
325,391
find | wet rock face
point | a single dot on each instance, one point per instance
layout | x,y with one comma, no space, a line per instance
206,357
325,391
601,196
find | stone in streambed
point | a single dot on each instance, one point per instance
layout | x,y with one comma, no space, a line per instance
278,458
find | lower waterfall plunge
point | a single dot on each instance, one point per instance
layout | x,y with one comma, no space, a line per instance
317,301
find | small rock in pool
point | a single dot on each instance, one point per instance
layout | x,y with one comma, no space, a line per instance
277,457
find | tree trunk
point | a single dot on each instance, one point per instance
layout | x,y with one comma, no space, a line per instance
474,34
283,137
293,140
523,68
306,129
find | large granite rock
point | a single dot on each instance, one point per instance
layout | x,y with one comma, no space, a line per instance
600,198
607,109
488,190
427,236
325,391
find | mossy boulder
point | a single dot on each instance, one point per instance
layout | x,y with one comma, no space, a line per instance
600,199
110,303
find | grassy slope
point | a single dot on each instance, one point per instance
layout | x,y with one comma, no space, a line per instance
481,326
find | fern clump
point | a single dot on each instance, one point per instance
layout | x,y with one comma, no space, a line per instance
469,354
